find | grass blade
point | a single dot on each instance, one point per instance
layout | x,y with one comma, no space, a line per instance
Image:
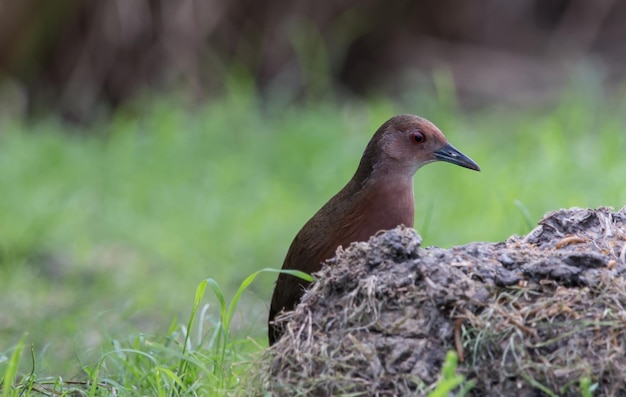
10,374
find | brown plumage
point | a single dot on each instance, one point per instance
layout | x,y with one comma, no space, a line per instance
378,197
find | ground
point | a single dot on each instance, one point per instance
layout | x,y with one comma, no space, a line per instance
529,316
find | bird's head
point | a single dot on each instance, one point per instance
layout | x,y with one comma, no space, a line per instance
407,142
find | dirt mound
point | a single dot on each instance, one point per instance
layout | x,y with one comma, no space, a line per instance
528,317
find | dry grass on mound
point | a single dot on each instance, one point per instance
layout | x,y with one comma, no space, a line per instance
530,316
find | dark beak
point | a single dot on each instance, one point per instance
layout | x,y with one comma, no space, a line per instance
451,155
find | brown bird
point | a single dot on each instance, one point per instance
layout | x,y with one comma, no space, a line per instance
378,197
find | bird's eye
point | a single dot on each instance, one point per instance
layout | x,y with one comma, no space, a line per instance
418,138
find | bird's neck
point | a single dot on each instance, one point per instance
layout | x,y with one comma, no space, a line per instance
376,204
385,172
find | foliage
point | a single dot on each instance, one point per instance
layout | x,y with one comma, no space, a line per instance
103,236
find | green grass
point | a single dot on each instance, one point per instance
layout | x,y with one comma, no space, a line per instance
105,233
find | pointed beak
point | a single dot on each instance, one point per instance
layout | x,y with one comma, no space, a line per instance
450,154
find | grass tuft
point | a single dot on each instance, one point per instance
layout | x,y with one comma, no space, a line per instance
450,380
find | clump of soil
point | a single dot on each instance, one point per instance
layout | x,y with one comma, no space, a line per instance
528,317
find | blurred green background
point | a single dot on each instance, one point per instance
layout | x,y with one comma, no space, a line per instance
148,145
